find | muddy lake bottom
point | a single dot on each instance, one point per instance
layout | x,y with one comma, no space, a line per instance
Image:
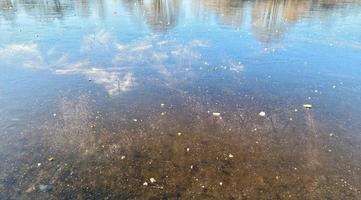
183,150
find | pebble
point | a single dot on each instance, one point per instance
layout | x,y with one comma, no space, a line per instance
44,188
262,114
230,155
123,157
307,106
51,159
216,114
220,183
179,133
188,149
39,164
152,180
30,189
145,183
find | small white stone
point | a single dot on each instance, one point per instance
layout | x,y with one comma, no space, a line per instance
179,133
162,105
39,164
188,149
135,120
230,155
145,183
262,114
191,166
307,106
152,180
216,114
123,157
54,114
220,183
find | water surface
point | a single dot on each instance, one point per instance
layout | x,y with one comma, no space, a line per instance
180,99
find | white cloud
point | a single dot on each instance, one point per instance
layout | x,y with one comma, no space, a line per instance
23,55
100,40
114,82
198,43
236,67
174,61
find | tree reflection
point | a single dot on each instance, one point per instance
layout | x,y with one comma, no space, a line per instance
160,15
229,12
268,23
7,10
269,19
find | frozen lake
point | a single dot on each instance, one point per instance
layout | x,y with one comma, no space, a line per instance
180,99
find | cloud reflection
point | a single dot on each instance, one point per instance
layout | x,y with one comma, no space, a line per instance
122,65
117,70
112,81
24,55
96,41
